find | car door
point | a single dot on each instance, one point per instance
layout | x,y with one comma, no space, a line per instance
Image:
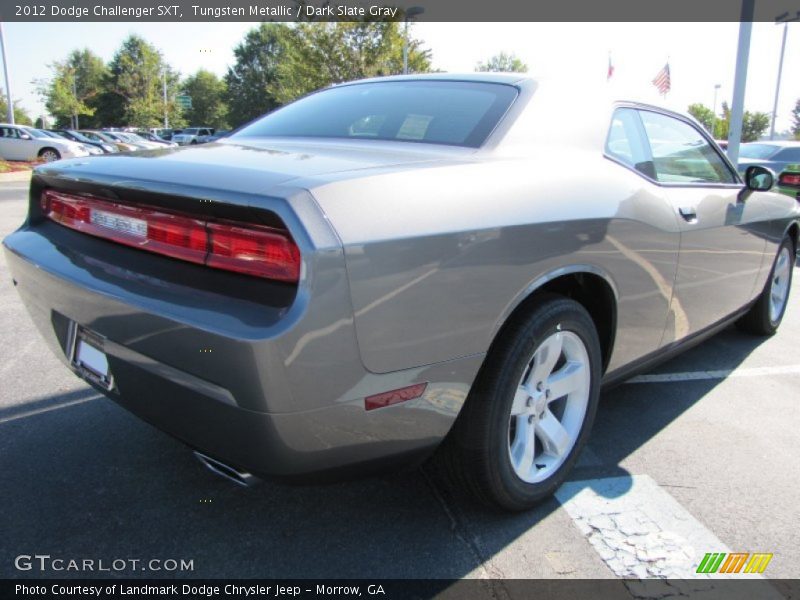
11,146
720,250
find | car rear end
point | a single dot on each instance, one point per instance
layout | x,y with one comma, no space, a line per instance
789,181
222,316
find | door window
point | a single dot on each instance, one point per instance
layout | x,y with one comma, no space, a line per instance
681,154
626,142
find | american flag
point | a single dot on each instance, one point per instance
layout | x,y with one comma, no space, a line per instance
662,81
610,68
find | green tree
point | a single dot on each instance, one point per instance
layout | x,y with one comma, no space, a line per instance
796,120
21,116
317,55
703,114
71,95
754,124
137,76
208,100
249,80
503,63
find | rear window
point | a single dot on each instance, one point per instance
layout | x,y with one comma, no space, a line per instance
432,112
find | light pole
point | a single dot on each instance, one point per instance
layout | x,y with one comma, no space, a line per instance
714,115
75,94
10,102
740,80
166,116
784,18
412,12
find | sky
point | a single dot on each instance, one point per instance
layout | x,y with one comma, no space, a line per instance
700,55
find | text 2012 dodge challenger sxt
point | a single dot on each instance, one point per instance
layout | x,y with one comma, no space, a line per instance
391,264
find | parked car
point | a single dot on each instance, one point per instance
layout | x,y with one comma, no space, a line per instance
394,267
127,138
76,136
164,133
151,137
25,143
193,135
44,134
102,136
219,133
774,155
789,181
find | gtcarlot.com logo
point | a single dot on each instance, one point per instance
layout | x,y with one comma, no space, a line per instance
45,562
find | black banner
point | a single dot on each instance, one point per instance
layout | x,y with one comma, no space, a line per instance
401,589
434,10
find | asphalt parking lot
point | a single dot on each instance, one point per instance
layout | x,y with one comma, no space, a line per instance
703,459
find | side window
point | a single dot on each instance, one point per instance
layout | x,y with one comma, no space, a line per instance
681,154
788,154
626,142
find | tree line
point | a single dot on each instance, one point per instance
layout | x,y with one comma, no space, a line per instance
754,124
274,64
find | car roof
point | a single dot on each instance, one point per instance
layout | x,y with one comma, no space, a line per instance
506,78
781,143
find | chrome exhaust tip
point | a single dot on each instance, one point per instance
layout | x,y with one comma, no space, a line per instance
242,478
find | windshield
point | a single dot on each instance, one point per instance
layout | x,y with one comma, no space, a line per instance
757,150
79,136
39,134
434,112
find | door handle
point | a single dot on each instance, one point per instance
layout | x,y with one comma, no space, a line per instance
689,213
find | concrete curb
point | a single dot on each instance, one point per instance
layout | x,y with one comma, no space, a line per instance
15,176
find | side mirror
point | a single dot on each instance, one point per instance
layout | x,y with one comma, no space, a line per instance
24,136
759,179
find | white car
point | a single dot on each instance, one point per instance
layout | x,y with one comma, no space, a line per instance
24,143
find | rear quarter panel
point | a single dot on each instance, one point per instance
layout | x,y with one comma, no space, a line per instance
438,257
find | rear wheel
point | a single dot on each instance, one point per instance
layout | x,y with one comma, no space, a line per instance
765,316
531,409
49,154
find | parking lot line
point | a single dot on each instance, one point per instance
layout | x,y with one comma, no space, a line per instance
640,531
39,411
720,374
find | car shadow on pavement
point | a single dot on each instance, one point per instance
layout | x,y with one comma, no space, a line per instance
84,479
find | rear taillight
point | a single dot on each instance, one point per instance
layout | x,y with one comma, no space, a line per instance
240,247
792,179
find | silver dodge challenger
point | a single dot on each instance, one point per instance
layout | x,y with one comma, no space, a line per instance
402,268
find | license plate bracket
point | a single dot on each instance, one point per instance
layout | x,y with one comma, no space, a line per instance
86,351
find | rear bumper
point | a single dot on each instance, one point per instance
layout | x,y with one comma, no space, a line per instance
274,389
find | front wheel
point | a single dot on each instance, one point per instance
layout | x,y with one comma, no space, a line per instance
531,409
765,316
49,155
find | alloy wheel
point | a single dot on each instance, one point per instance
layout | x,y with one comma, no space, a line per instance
549,406
779,290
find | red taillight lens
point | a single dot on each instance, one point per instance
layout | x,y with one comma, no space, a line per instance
789,179
256,252
244,248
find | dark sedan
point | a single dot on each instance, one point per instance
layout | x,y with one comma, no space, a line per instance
77,136
772,155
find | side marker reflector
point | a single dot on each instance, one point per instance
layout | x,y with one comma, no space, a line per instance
395,396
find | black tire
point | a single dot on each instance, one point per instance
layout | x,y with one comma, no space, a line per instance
193,142
475,455
759,320
49,154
